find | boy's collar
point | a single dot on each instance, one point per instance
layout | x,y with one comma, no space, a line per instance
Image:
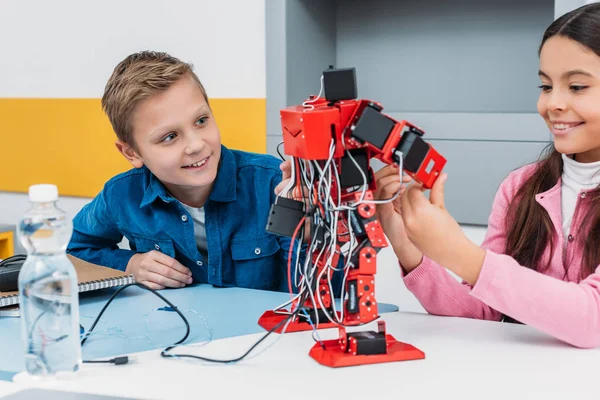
224,188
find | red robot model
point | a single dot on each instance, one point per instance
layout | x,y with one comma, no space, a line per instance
330,141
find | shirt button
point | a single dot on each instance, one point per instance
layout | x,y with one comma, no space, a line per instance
257,251
570,238
200,263
583,195
157,247
184,218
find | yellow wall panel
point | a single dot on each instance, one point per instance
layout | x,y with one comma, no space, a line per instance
70,143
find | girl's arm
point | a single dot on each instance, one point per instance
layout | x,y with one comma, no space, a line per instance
437,290
495,281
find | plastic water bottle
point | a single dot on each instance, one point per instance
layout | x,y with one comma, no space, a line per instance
48,290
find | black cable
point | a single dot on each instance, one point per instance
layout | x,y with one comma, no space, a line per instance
141,285
117,361
17,258
278,152
233,360
125,359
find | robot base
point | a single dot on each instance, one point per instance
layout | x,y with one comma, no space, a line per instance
270,320
333,356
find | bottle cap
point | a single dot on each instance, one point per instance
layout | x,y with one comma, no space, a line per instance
43,193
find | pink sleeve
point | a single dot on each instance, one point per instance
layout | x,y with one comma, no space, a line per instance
565,310
442,294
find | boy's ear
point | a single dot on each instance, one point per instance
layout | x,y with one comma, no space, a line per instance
130,154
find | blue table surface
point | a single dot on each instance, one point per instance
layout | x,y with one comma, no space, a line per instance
130,325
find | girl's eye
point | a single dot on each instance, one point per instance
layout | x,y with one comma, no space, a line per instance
577,88
545,88
201,120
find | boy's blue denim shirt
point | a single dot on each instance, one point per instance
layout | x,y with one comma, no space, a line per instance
136,205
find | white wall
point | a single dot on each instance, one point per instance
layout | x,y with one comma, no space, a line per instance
68,49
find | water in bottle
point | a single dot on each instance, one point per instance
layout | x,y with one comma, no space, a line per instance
48,290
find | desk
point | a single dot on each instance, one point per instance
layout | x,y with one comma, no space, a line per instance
465,359
7,388
228,312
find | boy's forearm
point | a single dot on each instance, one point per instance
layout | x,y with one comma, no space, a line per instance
99,250
106,257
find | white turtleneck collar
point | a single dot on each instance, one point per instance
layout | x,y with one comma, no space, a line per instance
576,177
585,175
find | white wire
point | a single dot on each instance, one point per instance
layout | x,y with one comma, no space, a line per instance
326,177
308,103
364,191
353,245
401,173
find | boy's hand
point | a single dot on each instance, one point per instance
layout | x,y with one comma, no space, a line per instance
158,271
286,169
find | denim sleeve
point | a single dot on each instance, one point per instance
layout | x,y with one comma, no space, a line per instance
96,236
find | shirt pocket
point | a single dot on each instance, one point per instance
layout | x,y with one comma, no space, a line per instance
256,262
144,245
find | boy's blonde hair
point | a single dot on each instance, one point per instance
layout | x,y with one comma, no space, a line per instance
138,77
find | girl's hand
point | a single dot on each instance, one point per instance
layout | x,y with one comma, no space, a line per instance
390,216
434,232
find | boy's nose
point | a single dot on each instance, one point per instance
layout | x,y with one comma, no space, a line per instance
194,144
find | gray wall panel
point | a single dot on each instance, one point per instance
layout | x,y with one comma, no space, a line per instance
272,142
444,56
310,39
463,70
466,126
475,171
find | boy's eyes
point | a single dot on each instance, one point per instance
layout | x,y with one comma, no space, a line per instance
169,137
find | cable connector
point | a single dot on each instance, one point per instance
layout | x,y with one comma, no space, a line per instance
120,360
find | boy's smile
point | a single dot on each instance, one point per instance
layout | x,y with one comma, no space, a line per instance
177,138
197,165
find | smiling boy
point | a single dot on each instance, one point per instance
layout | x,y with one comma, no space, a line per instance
191,209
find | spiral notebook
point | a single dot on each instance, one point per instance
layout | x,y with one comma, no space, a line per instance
90,276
